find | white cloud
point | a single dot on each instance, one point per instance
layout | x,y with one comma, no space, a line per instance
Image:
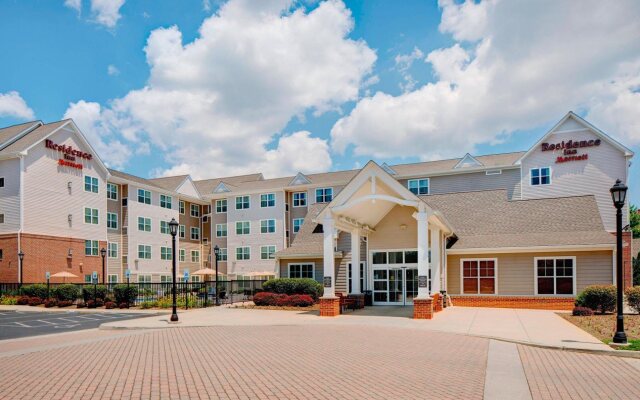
215,104
13,105
106,12
514,66
403,65
206,5
112,70
74,5
95,124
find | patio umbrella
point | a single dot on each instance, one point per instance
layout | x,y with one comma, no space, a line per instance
259,273
64,275
206,271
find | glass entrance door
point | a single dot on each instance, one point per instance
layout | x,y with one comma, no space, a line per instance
395,286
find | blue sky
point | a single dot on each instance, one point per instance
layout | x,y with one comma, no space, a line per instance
214,88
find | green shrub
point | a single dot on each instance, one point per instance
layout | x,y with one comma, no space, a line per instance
599,298
125,294
633,298
36,290
8,300
294,286
100,290
66,292
148,304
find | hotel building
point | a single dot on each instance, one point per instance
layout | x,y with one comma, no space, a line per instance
527,229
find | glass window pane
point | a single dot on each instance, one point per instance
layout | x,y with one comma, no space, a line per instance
411,257
380,257
487,285
470,285
564,285
396,257
545,285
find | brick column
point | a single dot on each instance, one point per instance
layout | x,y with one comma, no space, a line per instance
438,301
329,306
627,265
422,308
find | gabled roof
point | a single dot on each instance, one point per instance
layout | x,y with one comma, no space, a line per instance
207,186
571,115
33,136
468,161
135,179
306,242
389,170
501,160
14,132
171,183
221,188
299,179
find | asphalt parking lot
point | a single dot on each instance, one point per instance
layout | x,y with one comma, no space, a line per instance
16,324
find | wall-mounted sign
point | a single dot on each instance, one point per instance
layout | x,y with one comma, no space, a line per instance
327,281
423,281
570,149
69,154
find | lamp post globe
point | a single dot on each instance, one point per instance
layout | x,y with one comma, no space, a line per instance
173,229
619,195
216,253
103,254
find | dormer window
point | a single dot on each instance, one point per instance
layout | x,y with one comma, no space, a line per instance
418,186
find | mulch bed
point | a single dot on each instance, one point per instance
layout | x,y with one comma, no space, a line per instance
604,326
314,307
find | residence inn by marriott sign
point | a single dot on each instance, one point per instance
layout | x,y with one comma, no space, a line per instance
477,216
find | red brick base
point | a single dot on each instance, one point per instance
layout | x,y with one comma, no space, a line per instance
525,302
329,306
422,308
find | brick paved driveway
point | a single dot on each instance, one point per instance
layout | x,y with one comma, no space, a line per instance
276,362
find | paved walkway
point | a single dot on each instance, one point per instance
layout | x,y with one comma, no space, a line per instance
303,362
522,326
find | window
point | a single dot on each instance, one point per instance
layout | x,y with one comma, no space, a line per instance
479,276
268,226
361,277
87,278
195,233
242,202
165,201
90,247
195,256
112,278
112,220
90,184
181,230
267,252
112,192
206,209
380,257
195,278
221,206
300,199
144,196
222,256
1,218
195,210
112,250
144,224
243,253
166,279
1,182
418,186
324,195
182,255
221,230
301,271
91,216
144,252
267,200
540,176
165,253
1,254
493,172
555,275
144,279
164,227
243,228
181,207
297,223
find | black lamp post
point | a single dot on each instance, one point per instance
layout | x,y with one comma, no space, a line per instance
216,252
21,257
103,254
619,194
173,229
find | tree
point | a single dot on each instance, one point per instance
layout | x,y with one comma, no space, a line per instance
635,221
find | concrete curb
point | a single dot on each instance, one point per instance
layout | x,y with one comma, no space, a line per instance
84,310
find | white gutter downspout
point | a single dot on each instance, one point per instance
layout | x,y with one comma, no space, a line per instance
21,192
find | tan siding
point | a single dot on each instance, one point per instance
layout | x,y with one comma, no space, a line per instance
318,266
516,271
389,234
344,245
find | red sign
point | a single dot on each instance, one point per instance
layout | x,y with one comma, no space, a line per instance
65,163
69,152
570,149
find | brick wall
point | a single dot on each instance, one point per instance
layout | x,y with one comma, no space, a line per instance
627,270
525,302
329,307
47,253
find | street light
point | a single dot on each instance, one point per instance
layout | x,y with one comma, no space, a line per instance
173,229
618,195
216,252
20,257
103,253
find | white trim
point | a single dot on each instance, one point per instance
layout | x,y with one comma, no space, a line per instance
117,191
84,215
226,225
384,197
533,249
495,276
293,225
323,188
491,172
313,268
235,203
300,177
144,223
138,251
535,275
267,194
183,204
221,188
236,253
226,205
117,218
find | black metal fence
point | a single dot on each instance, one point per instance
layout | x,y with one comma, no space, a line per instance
193,294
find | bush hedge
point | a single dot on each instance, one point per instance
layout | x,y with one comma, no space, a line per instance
633,298
64,303
282,300
23,300
8,300
291,286
35,301
38,290
100,290
50,303
66,292
125,294
599,298
582,311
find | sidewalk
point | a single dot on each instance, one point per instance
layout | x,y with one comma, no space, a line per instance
532,327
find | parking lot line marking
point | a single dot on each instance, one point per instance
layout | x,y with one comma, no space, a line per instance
46,322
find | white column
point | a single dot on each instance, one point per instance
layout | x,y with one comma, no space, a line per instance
355,262
435,261
329,260
423,253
